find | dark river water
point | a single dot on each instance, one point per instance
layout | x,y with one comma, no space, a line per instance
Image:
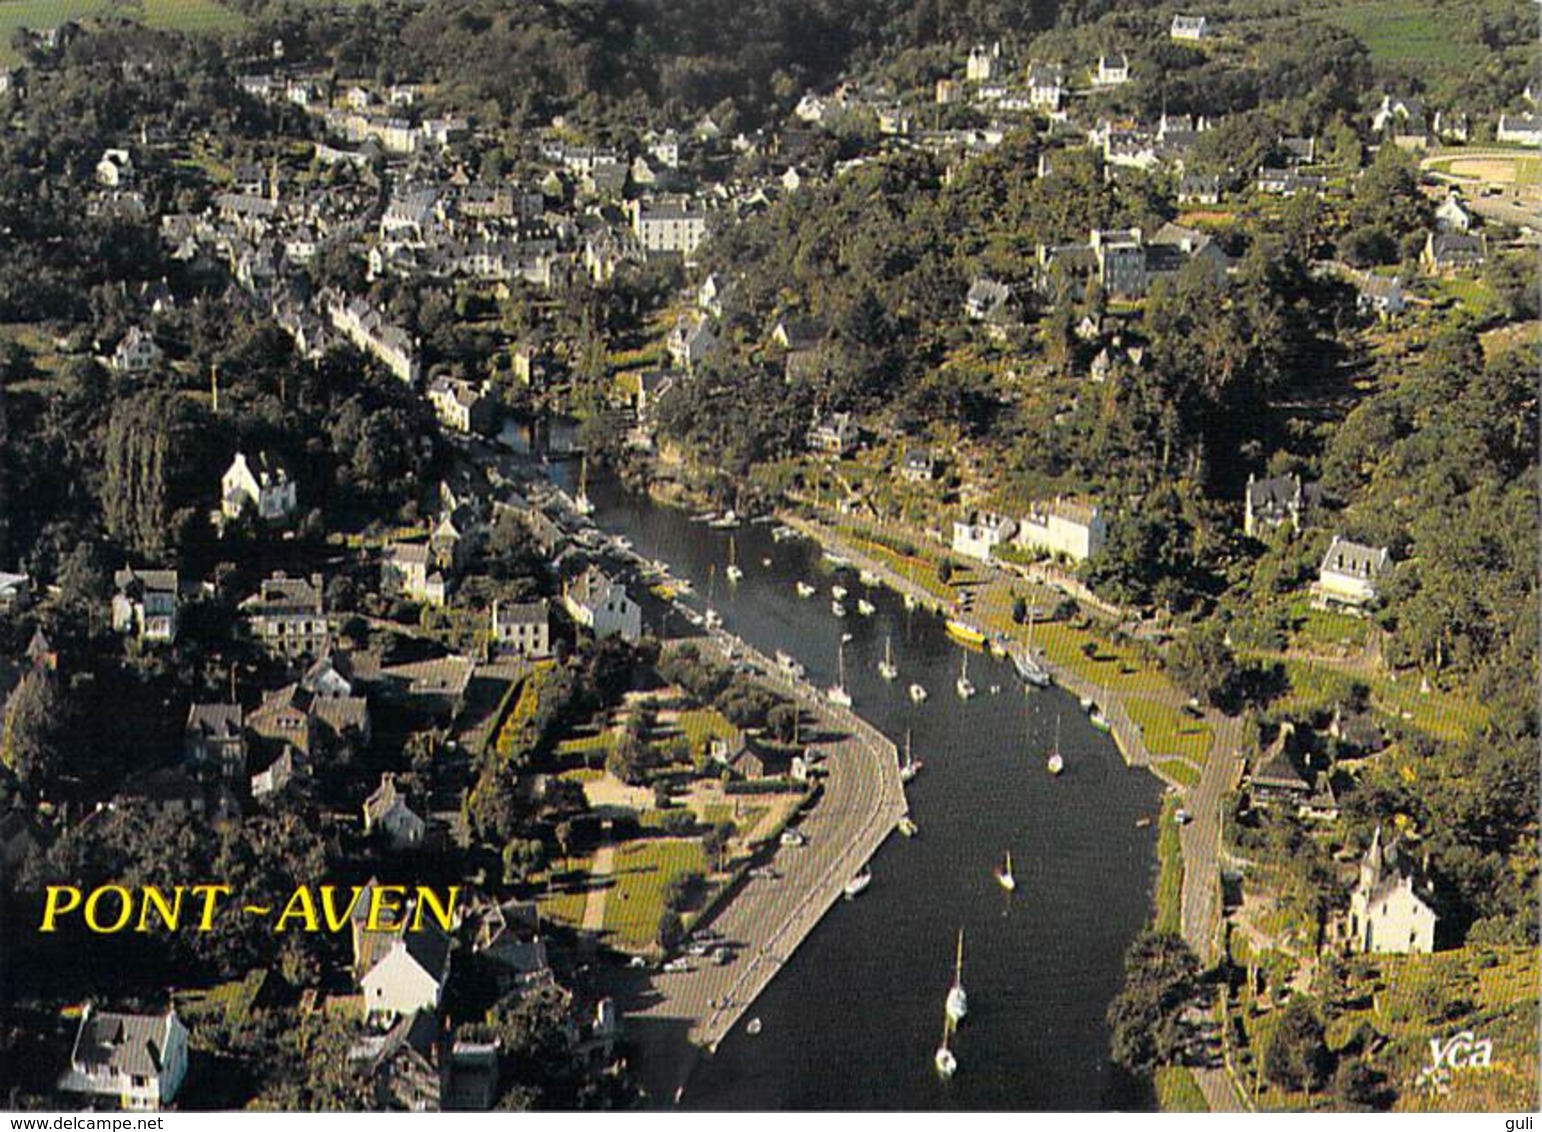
854,1018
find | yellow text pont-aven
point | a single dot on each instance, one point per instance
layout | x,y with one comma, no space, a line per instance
112,908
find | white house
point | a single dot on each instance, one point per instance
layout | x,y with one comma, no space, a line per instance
1381,295
147,604
1112,70
669,227
984,63
404,968
1046,85
408,569
136,352
1390,908
137,1060
981,533
1064,528
1451,215
115,170
523,628
834,434
690,341
267,489
458,403
602,605
1520,129
1350,574
1191,28
386,812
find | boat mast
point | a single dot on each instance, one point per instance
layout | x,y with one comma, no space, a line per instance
958,964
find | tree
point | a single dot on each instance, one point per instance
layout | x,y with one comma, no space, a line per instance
715,842
1159,980
1296,1055
30,745
522,858
671,930
1203,664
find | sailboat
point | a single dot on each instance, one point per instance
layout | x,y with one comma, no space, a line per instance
1028,668
886,667
1056,763
964,686
838,608
838,593
581,502
957,1003
1004,875
805,590
837,693
712,617
865,607
943,1059
734,572
917,694
911,766
857,885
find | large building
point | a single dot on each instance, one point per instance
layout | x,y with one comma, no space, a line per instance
266,489
602,605
1350,575
668,226
1063,528
1390,909
523,628
137,1061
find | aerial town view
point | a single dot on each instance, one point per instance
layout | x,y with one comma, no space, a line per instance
814,555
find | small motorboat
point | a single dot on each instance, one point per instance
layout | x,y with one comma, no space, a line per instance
908,827
1004,875
964,685
838,593
946,1063
857,885
753,1027
1087,703
910,601
1099,720
838,608
867,577
766,562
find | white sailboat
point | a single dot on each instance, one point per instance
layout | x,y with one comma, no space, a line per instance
805,590
865,607
957,1004
1004,875
911,766
581,502
1028,667
886,667
917,694
838,593
734,572
838,608
712,617
943,1059
1056,763
837,693
857,885
965,686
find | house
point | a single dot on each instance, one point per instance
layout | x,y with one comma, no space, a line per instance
387,814
978,535
669,226
918,465
286,768
1350,575
1064,528
1189,28
690,342
115,170
986,299
407,568
1451,215
1112,70
711,295
1391,907
214,736
984,63
174,792
137,1061
330,674
287,616
794,333
296,718
1285,777
1277,501
1453,251
1380,294
1519,129
508,936
1120,257
147,604
266,489
403,969
834,434
458,403
14,588
523,628
404,1065
1199,188
602,606
136,353
1046,85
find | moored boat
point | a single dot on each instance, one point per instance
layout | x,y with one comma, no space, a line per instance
857,885
917,694
964,632
805,590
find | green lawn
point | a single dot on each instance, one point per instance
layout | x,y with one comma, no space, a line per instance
701,725
1177,1090
1169,890
173,15
1442,715
564,904
1183,773
636,901
1410,31
1169,732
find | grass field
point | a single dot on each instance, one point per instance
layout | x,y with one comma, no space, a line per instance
1421,32
1169,732
1169,889
643,869
173,15
701,726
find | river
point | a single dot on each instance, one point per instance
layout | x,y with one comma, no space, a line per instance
852,1021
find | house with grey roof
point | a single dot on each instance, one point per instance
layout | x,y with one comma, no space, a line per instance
135,1061
402,969
387,815
1391,908
1277,501
601,605
215,737
147,604
1351,575
522,628
287,616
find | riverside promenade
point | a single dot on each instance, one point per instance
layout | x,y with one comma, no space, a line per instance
765,919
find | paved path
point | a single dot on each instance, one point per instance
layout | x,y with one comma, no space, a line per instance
1219,1089
600,869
